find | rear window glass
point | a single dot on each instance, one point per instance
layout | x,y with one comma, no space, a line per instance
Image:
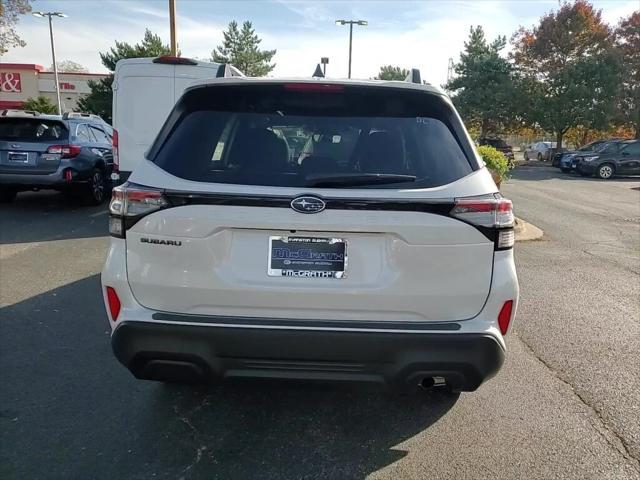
269,135
32,130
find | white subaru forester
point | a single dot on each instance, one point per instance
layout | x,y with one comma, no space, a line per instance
311,229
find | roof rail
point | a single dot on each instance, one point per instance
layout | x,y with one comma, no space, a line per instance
91,116
414,76
227,70
11,112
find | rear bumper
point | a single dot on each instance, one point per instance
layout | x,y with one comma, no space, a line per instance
21,180
177,351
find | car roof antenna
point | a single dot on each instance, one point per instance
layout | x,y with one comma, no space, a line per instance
318,72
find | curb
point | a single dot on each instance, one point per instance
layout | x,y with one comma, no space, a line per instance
526,232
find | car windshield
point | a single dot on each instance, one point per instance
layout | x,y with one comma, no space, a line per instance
591,146
32,130
608,147
271,136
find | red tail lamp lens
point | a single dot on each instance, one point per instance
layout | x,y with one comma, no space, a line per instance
505,316
114,303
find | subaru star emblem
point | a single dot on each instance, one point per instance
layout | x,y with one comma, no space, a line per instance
307,204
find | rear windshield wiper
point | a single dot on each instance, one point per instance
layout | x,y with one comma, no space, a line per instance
338,180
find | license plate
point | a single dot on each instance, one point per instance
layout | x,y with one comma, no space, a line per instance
18,157
308,257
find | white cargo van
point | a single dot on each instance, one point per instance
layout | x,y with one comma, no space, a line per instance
144,92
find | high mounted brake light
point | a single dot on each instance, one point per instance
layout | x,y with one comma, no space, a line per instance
313,87
488,213
129,203
172,60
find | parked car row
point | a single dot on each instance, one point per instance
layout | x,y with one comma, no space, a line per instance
72,153
602,158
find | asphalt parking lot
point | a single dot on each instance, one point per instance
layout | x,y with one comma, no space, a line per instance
565,405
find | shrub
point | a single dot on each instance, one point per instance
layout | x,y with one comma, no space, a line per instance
41,104
495,160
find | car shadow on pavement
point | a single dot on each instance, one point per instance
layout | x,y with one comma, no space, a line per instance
69,410
283,430
47,215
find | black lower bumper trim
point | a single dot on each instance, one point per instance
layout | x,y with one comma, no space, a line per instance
199,353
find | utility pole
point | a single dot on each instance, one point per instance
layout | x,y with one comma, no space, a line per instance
53,51
362,23
324,61
172,27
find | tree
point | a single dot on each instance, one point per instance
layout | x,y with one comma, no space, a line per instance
240,48
69,66
100,100
9,12
389,72
483,89
40,104
568,68
628,47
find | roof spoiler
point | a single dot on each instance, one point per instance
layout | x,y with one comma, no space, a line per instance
414,76
227,70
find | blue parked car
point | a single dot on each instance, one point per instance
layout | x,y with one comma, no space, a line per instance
569,160
564,160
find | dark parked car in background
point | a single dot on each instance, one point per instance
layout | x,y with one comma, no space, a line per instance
71,153
617,158
500,145
568,162
568,154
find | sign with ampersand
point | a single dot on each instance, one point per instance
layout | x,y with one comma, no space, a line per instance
10,82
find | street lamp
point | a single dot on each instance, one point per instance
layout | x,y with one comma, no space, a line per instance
53,51
324,61
362,23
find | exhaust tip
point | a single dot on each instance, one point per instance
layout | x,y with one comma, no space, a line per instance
428,383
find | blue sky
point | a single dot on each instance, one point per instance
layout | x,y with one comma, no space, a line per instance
422,34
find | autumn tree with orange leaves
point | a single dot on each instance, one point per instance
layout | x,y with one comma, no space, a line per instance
628,46
569,69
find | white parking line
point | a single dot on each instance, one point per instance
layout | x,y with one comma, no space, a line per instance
97,214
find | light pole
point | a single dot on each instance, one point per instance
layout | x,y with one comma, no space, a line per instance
172,27
324,61
53,51
351,23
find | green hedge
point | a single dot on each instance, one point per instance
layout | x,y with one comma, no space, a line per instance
496,160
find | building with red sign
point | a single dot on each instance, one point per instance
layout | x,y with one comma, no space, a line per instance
20,81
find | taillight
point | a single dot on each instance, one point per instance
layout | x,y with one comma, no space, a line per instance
491,213
129,203
65,151
504,317
116,152
114,303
